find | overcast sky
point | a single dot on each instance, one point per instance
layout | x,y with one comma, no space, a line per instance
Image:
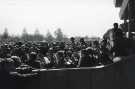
74,17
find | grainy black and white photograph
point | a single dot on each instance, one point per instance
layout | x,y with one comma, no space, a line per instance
67,44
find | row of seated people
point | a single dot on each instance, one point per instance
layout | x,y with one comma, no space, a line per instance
44,55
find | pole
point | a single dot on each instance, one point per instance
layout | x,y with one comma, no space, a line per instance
130,18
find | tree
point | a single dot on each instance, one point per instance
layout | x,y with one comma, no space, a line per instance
59,35
49,37
24,33
86,38
37,32
25,36
37,36
65,38
5,34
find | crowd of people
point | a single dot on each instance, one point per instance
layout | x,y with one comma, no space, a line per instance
39,55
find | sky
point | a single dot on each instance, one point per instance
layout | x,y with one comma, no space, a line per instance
74,17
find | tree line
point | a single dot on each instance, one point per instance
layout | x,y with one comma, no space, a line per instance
37,36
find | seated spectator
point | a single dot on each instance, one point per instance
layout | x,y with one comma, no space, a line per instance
17,61
33,62
51,58
68,59
85,60
8,65
60,59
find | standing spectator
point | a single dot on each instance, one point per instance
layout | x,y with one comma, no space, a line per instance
114,40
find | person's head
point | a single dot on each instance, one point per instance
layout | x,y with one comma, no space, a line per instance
81,39
50,51
72,39
17,60
115,25
33,55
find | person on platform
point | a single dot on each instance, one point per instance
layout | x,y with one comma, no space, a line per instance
113,39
